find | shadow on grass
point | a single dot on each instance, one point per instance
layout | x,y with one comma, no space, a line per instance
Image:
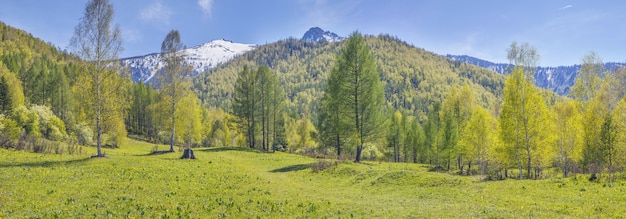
156,153
292,168
44,163
222,149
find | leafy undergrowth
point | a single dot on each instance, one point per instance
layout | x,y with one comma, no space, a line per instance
239,182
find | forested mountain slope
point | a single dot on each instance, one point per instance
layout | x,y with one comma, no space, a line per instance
414,78
39,74
558,79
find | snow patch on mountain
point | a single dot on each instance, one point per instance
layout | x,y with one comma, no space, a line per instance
201,58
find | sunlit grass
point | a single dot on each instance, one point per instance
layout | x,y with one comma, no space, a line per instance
239,182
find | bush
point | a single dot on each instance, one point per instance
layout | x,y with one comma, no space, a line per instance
371,152
323,165
84,134
9,131
28,120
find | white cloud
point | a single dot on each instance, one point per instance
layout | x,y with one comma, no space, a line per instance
566,7
206,6
156,12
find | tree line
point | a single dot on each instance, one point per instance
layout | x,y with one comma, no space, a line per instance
353,106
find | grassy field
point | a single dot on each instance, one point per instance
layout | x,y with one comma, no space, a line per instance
236,182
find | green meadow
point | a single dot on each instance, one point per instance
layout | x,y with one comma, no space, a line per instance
244,183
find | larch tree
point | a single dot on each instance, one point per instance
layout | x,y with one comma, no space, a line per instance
362,91
174,82
99,42
333,123
244,104
270,99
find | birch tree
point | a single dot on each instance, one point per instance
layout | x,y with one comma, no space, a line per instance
99,42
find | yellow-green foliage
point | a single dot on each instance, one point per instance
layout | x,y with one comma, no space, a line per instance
412,78
15,86
188,120
50,125
244,183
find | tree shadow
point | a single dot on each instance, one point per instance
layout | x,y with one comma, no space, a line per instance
155,153
222,149
292,168
44,163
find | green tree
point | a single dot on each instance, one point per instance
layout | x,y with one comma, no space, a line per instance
525,120
97,41
455,112
569,142
431,128
11,91
396,135
415,140
334,125
9,131
244,104
589,77
362,90
479,139
526,123
270,96
174,83
189,121
6,103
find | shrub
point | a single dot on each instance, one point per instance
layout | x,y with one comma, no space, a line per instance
323,165
84,134
9,131
27,119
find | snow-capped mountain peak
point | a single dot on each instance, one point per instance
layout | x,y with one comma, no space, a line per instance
317,34
201,58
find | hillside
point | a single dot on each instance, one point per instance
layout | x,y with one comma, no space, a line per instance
243,183
40,74
414,78
558,79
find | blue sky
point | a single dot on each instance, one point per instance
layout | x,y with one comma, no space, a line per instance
561,30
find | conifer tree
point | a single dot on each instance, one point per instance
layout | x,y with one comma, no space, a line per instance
358,91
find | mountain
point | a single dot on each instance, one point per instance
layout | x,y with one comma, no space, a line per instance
558,79
415,79
201,58
316,34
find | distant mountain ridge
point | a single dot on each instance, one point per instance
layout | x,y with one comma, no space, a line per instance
558,79
316,34
201,58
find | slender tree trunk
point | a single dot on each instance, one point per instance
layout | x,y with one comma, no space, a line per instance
99,118
99,135
338,146
173,127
